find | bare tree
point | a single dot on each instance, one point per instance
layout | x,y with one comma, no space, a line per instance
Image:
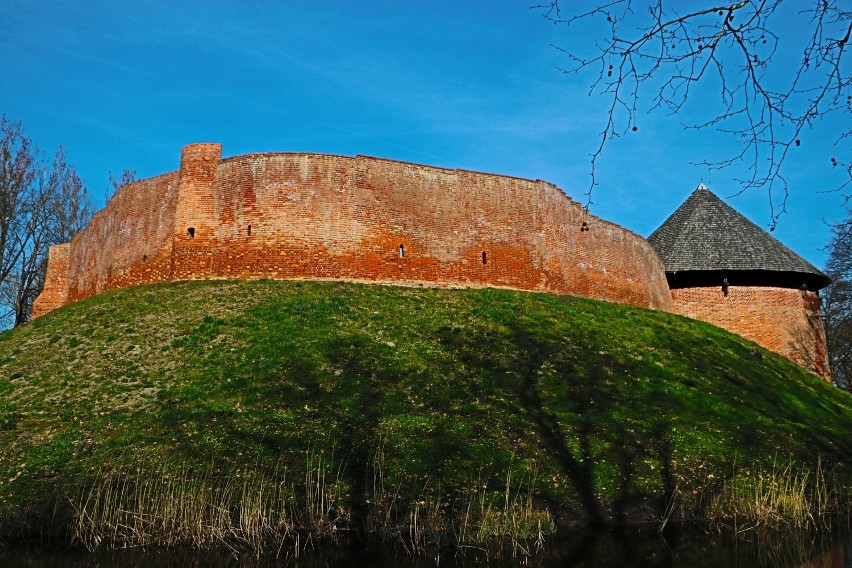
17,174
71,206
666,48
42,203
837,311
21,287
837,305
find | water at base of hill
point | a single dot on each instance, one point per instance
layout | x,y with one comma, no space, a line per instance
586,549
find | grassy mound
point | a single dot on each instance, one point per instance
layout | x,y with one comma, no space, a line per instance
198,412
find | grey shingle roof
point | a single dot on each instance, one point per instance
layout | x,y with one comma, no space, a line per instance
706,235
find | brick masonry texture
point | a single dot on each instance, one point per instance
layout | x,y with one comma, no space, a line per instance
319,216
779,319
333,217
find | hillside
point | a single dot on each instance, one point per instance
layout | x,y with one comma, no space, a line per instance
329,408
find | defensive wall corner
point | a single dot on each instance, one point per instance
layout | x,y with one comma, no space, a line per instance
55,292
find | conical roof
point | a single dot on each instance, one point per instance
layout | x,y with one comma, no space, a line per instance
706,240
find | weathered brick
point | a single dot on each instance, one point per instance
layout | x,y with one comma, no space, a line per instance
55,292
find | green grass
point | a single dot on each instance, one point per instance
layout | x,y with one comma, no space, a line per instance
420,399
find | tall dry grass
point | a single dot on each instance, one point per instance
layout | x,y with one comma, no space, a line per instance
786,496
254,509
509,516
191,506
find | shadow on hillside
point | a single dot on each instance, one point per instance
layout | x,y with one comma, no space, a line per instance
600,415
575,416
364,390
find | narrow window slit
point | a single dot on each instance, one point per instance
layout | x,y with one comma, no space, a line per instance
484,257
248,230
191,232
401,251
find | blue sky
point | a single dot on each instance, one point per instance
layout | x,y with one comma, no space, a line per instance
459,84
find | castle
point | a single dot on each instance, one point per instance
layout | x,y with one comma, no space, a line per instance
364,219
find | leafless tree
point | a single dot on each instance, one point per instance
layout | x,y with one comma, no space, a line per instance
17,174
837,311
665,49
837,305
71,207
42,203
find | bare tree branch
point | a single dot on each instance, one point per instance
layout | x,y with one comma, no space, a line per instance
659,48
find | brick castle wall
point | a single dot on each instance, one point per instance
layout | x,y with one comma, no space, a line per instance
318,216
779,319
127,243
334,217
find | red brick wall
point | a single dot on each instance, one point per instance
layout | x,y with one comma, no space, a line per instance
127,243
55,291
334,217
779,319
196,211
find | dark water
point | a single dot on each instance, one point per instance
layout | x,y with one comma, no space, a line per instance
581,549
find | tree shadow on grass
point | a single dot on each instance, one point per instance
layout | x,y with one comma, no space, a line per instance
595,409
569,395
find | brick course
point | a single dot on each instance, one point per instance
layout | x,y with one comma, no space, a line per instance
127,243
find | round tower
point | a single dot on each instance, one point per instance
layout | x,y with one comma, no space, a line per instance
725,270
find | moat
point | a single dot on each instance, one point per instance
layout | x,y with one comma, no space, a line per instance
646,548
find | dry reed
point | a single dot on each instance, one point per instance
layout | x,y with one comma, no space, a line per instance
785,496
185,505
257,510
